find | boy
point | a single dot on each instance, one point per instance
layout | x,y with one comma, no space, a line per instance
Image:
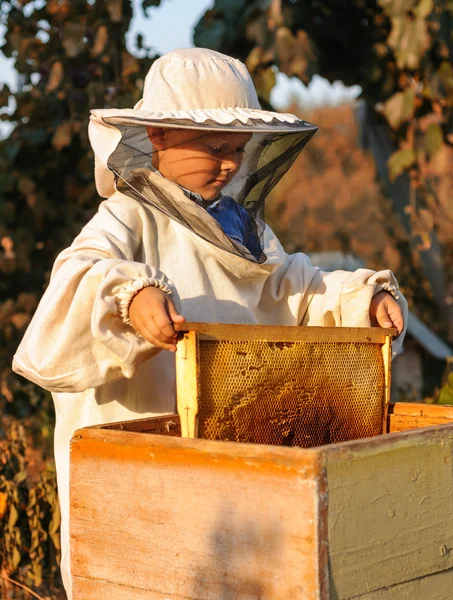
181,236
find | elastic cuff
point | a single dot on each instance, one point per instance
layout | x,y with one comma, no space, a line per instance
127,293
385,286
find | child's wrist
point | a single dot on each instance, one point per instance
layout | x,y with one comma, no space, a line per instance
389,288
128,292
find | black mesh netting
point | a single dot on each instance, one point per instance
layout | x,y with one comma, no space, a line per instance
267,157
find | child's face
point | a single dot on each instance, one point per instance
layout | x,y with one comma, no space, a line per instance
200,162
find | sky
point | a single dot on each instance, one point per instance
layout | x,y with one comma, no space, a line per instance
170,26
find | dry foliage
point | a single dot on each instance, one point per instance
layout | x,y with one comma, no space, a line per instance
332,200
401,53
29,519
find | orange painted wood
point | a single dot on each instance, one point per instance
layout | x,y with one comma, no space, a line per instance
179,518
93,589
403,416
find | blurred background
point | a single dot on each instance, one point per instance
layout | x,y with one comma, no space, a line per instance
374,188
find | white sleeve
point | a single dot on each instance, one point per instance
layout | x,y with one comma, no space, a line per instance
79,337
343,298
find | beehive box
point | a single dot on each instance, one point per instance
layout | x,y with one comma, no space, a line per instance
156,516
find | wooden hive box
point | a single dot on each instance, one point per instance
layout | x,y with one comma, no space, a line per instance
155,516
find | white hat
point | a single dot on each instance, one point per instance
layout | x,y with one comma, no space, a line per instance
192,88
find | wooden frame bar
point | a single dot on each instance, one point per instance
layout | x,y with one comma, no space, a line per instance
188,383
271,333
169,425
387,359
187,355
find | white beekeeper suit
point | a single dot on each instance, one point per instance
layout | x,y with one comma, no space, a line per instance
80,344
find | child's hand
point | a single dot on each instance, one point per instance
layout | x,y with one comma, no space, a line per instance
152,314
385,311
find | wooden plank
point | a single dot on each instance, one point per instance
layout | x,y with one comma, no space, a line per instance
197,519
403,416
390,507
167,425
247,333
422,410
93,589
188,383
432,587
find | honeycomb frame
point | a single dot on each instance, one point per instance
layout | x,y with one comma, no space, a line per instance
258,384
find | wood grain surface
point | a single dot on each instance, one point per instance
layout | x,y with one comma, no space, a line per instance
183,518
407,415
156,517
227,331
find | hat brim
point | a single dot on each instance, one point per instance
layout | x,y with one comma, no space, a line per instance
213,119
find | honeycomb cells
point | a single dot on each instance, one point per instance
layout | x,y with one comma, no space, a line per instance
290,393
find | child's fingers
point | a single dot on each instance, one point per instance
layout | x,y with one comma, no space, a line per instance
152,330
164,329
389,314
151,333
396,315
383,317
173,313
164,346
163,320
152,314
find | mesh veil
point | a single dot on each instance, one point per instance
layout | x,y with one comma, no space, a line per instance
267,157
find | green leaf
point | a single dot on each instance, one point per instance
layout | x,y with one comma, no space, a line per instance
424,8
399,162
409,39
13,516
446,394
445,74
15,559
433,139
400,108
401,8
397,8
20,476
54,524
73,38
